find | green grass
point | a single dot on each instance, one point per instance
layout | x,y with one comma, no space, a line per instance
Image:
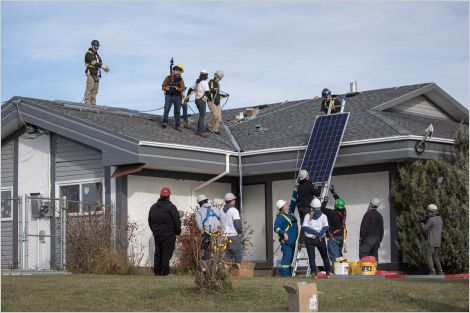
81,292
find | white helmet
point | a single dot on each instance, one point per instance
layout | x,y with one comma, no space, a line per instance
204,71
229,197
220,74
432,207
316,204
375,202
201,198
280,204
303,174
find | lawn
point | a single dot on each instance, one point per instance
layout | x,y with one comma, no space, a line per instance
81,292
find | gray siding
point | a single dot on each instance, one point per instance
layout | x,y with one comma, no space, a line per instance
7,163
75,161
420,106
7,244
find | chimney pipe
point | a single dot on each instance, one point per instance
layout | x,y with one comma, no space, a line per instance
353,86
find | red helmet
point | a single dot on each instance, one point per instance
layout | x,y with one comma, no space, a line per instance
165,192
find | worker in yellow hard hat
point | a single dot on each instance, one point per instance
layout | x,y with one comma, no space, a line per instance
173,86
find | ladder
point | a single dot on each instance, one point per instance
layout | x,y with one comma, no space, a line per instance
300,254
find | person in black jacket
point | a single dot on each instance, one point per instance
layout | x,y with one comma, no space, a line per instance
306,191
165,223
337,226
372,231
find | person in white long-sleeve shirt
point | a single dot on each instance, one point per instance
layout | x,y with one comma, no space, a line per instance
315,226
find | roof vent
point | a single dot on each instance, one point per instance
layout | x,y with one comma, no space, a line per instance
353,86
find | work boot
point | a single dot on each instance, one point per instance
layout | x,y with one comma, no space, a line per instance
314,275
202,134
185,123
164,124
177,128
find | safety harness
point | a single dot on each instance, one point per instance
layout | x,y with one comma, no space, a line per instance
209,213
92,64
343,228
333,108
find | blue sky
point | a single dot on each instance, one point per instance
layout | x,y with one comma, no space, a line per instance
269,51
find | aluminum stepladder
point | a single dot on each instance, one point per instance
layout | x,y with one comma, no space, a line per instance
302,250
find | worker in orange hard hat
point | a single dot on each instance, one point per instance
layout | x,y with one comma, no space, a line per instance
165,223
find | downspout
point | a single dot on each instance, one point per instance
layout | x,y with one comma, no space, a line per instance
210,181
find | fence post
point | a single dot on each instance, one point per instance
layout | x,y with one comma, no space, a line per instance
63,221
23,231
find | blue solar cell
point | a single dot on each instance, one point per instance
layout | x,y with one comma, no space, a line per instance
323,146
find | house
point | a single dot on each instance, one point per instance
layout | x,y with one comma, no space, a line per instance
125,157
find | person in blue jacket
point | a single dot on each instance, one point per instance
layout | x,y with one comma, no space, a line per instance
286,227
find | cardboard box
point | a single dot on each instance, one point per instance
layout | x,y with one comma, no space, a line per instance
303,298
247,269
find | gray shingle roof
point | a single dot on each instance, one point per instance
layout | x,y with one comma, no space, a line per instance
283,124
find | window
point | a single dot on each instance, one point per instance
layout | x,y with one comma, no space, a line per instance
7,204
83,197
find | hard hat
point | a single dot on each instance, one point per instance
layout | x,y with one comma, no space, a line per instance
95,43
432,207
315,203
340,203
229,197
201,198
280,204
204,72
303,174
325,92
220,74
375,202
180,66
165,192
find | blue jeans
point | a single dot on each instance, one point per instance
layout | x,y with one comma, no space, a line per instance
201,106
169,100
320,244
335,248
185,110
236,248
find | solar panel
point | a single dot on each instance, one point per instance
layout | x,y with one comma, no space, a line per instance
323,146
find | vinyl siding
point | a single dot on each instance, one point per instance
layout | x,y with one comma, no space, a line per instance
420,106
7,163
75,161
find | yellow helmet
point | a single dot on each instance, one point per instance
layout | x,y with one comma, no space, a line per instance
179,66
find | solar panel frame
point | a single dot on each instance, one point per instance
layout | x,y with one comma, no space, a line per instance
329,130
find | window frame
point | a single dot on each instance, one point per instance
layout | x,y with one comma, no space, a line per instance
81,182
10,189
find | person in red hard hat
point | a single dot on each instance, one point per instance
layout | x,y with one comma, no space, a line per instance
165,223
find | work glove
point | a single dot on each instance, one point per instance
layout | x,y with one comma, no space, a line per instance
332,188
105,68
424,219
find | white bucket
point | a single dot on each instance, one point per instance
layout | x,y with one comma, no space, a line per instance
341,268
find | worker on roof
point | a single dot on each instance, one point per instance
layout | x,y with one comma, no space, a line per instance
173,86
202,93
165,222
315,226
93,66
371,231
214,102
209,223
286,227
329,101
306,191
337,226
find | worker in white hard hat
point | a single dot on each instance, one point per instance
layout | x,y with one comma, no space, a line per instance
315,226
432,225
286,227
306,191
202,93
232,225
209,222
372,231
214,102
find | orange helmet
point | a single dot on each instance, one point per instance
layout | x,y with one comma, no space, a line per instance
165,192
